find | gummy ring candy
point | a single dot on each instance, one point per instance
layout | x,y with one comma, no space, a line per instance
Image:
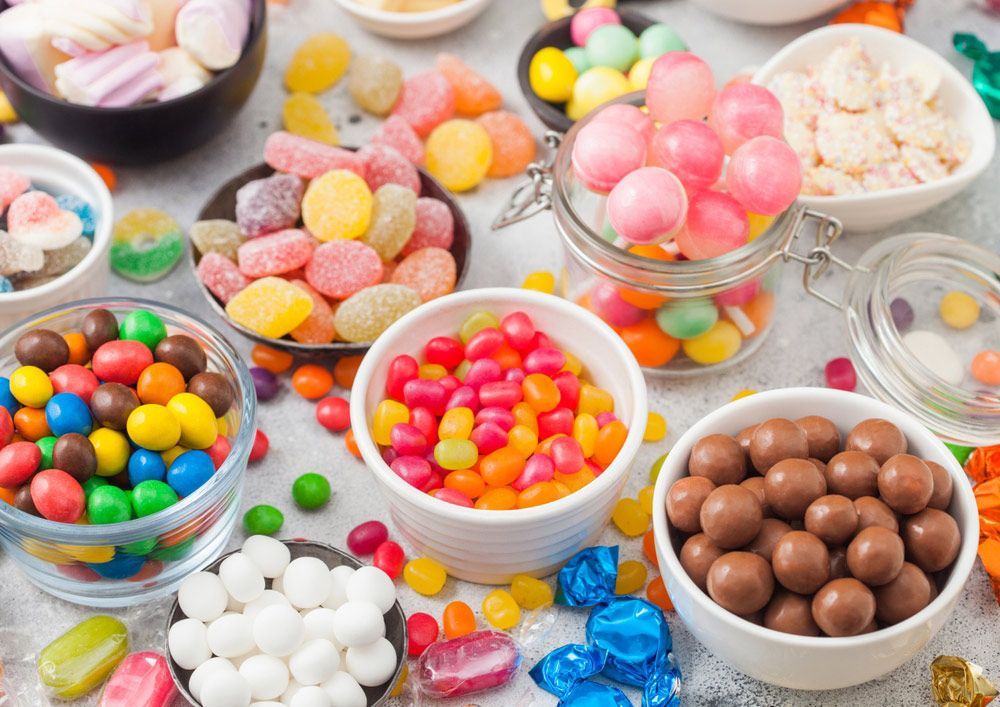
556,9
146,245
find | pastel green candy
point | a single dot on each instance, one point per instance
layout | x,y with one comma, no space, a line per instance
263,520
654,471
83,657
146,245
686,319
656,40
608,232
578,57
614,46
143,326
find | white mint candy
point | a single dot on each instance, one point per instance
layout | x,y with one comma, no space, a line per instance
241,578
320,624
311,696
188,643
240,660
278,630
358,623
373,664
935,353
339,577
267,676
306,582
233,606
314,662
202,596
374,585
226,689
231,635
204,673
290,692
344,691
271,556
277,584
266,704
268,598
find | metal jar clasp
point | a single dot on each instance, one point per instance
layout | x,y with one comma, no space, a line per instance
820,257
533,195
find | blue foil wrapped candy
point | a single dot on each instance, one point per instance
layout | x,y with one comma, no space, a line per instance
628,640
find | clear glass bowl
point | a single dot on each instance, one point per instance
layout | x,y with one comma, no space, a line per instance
151,554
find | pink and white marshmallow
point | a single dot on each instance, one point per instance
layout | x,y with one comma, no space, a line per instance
122,76
213,31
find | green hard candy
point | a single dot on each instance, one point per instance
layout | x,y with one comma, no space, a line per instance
659,39
311,491
686,319
93,483
45,444
143,326
614,46
152,496
578,57
108,504
83,657
172,553
263,520
139,547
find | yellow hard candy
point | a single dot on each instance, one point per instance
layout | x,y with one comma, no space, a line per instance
959,310
270,306
318,63
7,112
596,87
304,115
552,75
83,657
638,75
197,421
459,154
719,343
337,204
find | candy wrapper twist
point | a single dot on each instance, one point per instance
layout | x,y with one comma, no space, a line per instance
986,70
955,682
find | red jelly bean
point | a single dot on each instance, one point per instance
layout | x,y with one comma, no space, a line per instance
415,471
450,383
488,437
483,344
121,361
425,393
463,397
514,375
605,418
408,440
58,496
444,351
425,421
389,455
389,557
452,496
434,481
364,538
538,468
18,461
556,422
567,455
840,374
403,368
219,450
72,378
503,394
545,360
569,389
260,446
333,413
502,417
481,372
421,631
518,330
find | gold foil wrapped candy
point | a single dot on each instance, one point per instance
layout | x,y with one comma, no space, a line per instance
955,682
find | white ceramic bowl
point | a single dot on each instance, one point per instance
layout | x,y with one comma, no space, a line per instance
61,172
801,662
414,25
490,547
769,12
956,96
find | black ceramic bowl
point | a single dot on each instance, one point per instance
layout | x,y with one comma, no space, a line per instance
395,619
151,132
556,34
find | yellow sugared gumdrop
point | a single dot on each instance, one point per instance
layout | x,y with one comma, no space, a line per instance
304,115
318,63
270,306
459,153
337,204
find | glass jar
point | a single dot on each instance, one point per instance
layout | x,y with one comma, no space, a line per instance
145,558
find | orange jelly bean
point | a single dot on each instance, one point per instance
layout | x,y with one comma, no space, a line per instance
501,467
351,444
759,311
159,382
458,619
651,347
312,381
649,549
540,392
575,481
538,494
526,416
656,592
272,359
466,482
507,357
79,354
610,439
502,498
345,370
31,423
523,439
7,495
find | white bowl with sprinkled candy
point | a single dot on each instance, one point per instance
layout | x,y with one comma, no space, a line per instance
59,172
870,211
772,12
413,25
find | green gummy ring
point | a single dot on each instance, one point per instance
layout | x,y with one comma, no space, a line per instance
147,244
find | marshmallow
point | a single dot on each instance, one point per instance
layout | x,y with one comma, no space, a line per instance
164,19
213,31
27,45
181,73
122,76
79,28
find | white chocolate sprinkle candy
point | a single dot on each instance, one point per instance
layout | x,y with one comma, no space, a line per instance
936,354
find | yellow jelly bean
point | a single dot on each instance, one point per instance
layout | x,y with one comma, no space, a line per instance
270,306
500,609
387,414
596,87
631,577
153,427
630,518
111,449
523,439
459,153
171,454
573,364
656,427
646,499
83,657
957,309
304,115
746,392
654,470
540,281
198,429
425,576
577,480
638,75
476,322
456,423
716,345
594,400
7,112
758,224
432,371
337,205
30,386
530,593
318,63
525,415
585,433
551,75
455,454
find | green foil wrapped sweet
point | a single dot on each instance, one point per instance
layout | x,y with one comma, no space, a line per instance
986,70
83,657
955,682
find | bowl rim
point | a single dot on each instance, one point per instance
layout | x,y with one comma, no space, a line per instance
258,22
614,346
80,171
823,398
411,19
983,141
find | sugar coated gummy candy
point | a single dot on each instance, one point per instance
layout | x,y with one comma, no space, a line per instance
339,269
513,144
318,326
82,658
307,158
221,276
365,315
216,236
426,101
146,245
435,226
275,253
396,133
374,83
459,154
12,185
474,95
64,259
318,63
431,272
34,218
337,205
303,114
393,219
83,209
16,257
269,204
270,306
386,165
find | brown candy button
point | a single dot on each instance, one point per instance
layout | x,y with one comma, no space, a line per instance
756,484
684,501
852,474
934,588
905,483
878,438
791,485
23,502
74,454
801,562
843,607
838,563
833,519
744,439
98,328
819,464
771,531
872,626
932,539
943,486
697,555
183,353
822,435
731,516
741,582
112,403
214,389
789,612
777,439
904,596
875,556
718,458
42,348
873,512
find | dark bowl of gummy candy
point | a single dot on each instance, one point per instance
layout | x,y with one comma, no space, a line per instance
222,205
149,132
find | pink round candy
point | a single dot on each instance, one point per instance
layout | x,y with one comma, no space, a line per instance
627,114
413,470
647,206
840,374
408,440
386,165
764,175
716,224
691,150
586,21
739,295
538,468
435,227
681,85
745,111
488,437
609,306
340,268
452,496
605,152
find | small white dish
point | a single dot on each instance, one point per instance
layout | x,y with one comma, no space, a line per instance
769,12
875,210
414,25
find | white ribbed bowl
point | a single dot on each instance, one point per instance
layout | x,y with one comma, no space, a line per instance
490,547
803,662
414,25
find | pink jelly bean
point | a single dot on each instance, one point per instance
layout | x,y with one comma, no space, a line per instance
681,86
627,114
452,496
464,397
425,421
502,417
425,101
141,679
275,253
518,330
384,165
415,471
586,21
340,268
514,375
744,111
471,663
569,389
840,374
408,440
434,481
604,152
483,371
483,344
364,538
594,467
444,351
547,360
488,437
435,226
556,422
425,393
541,340
764,175
396,133
609,306
567,455
647,206
221,276
691,150
605,418
73,378
739,295
504,394
389,455
450,383
538,468
307,158
403,368
716,224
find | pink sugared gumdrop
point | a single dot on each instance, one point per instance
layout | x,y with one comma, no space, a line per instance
716,224
680,86
604,152
608,304
586,21
739,295
745,111
629,115
764,175
647,206
691,150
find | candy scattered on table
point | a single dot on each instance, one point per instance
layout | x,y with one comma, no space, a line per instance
82,658
142,678
467,664
956,681
146,245
985,76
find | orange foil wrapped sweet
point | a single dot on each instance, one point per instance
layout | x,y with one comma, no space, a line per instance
983,467
888,15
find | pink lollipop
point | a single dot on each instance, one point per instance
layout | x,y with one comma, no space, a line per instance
691,150
680,86
604,152
586,21
608,304
745,111
764,175
716,224
647,206
624,113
